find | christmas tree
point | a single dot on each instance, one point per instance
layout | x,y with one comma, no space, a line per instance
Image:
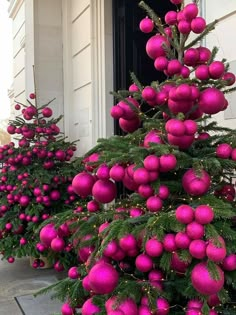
35,179
164,242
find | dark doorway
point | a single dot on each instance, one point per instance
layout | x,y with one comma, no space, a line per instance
130,42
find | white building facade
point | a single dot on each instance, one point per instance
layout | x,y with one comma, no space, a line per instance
70,44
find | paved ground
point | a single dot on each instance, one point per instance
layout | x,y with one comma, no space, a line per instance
19,280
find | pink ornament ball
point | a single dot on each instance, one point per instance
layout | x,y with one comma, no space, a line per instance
216,69
128,242
204,214
89,308
193,311
152,137
66,309
151,162
127,306
145,191
169,242
197,249
154,46
73,273
175,127
144,310
195,230
171,17
104,191
213,300
24,201
143,263
203,282
83,184
179,265
133,88
47,234
148,93
202,72
93,206
182,240
116,112
110,249
190,11
191,56
161,63
224,151
47,112
229,263
174,67
103,172
204,54
163,306
57,244
195,304
117,172
211,101
196,183
129,126
168,162
216,253
154,248
184,27
146,25
163,192
154,203
141,176
184,214
190,127
103,278
129,105
229,77
176,1
198,25
185,72
116,312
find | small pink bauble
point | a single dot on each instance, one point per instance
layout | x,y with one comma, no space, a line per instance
224,151
116,112
103,278
144,263
184,214
144,310
190,11
198,25
202,72
128,242
66,309
180,106
83,184
182,240
204,214
104,191
163,192
204,54
154,46
128,106
89,308
183,142
195,230
110,249
169,242
211,101
148,93
47,234
213,300
145,191
129,125
133,88
152,137
229,77
185,72
171,17
168,162
184,27
161,64
103,172
197,249
216,69
163,306
146,25
190,127
196,184
174,67
229,263
154,248
195,304
215,252
175,127
117,172
73,273
177,264
116,312
93,206
191,56
57,244
154,203
151,162
203,282
141,176
127,306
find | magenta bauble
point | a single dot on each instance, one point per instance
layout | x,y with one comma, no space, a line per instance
128,242
196,183
216,252
171,17
55,195
116,112
203,282
182,240
184,27
129,107
127,306
57,244
73,273
190,11
104,191
154,248
66,309
152,137
176,1
151,162
163,306
103,172
229,263
163,192
129,125
154,203
195,304
24,201
216,69
144,263
148,93
89,308
103,278
197,249
190,127
179,265
111,248
168,162
154,46
174,67
198,25
229,78
133,88
116,312
47,112
169,242
224,151
161,64
117,172
145,191
129,182
193,311
180,106
47,234
211,101
183,142
93,206
204,214
175,127
195,230
184,214
141,176
144,310
202,72
191,56
83,184
146,25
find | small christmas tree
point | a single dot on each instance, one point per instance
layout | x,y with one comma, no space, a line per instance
167,243
35,179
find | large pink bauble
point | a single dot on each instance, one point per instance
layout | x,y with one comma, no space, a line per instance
146,25
47,234
163,306
154,203
57,244
154,248
196,184
104,191
154,46
168,162
83,184
144,263
195,230
149,93
204,214
89,308
216,253
152,137
129,125
203,282
184,214
128,242
169,242
224,151
182,240
141,176
151,162
66,309
179,265
184,27
128,306
103,278
110,249
183,91
216,69
197,249
24,201
117,172
229,263
211,101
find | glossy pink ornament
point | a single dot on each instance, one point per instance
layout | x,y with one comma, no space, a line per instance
197,249
129,106
175,127
127,306
184,27
154,46
174,67
204,214
229,77
224,151
191,56
110,249
116,312
169,242
148,93
66,309
161,64
93,206
202,72
184,214
182,240
154,203
128,242
57,244
163,192
163,306
24,201
104,191
211,101
146,25
89,308
229,262
154,248
151,162
73,273
143,263
133,88
190,11
179,265
117,172
203,282
216,69
168,162
144,310
216,252
83,184
171,17
103,278
204,54
141,176
47,234
183,142
103,172
195,230
195,304
196,183
116,112
129,125
213,300
145,191
152,137
198,25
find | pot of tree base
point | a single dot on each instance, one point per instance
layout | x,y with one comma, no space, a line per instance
40,263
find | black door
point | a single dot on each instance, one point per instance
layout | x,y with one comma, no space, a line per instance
129,43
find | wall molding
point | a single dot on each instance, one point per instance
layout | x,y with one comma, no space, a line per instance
14,7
